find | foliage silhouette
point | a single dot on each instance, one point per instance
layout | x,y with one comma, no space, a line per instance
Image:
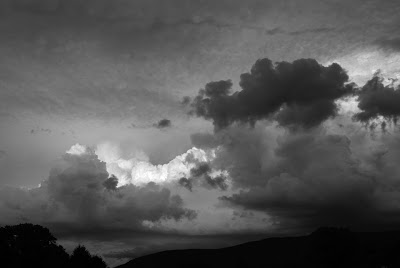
81,258
28,245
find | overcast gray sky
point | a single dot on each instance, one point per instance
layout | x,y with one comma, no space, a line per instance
105,74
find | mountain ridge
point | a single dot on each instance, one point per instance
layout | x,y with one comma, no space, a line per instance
325,247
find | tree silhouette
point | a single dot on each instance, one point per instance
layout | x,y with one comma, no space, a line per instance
81,258
28,245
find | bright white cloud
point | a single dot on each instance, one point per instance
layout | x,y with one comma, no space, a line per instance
212,217
138,170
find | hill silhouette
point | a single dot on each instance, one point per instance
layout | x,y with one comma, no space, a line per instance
326,247
28,245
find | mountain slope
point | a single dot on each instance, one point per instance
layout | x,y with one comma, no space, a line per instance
326,247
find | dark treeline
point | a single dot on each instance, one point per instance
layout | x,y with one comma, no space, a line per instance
28,245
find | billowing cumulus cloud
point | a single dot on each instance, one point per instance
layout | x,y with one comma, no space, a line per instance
244,152
138,170
328,176
81,196
85,197
336,173
95,192
316,181
302,93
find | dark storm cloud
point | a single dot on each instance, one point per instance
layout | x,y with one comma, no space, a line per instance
163,123
201,176
203,171
185,182
316,180
375,99
302,93
240,151
76,199
200,170
217,182
111,183
311,177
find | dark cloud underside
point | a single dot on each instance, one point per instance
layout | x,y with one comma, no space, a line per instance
302,93
376,99
201,174
78,197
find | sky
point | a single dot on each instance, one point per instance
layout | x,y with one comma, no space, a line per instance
135,126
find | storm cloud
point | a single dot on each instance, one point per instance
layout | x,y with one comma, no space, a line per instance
378,100
77,198
315,181
272,146
111,183
304,180
320,174
301,93
203,173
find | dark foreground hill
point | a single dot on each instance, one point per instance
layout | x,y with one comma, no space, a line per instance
326,247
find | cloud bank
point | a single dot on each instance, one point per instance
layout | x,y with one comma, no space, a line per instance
284,156
301,159
81,195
